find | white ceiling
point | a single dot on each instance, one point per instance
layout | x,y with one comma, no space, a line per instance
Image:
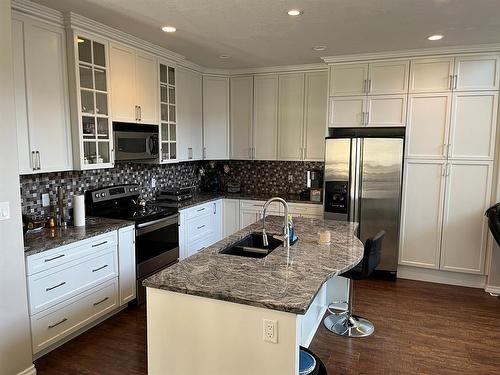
258,33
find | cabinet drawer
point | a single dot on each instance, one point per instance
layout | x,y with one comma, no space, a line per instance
200,227
200,210
64,254
259,206
48,288
305,209
53,325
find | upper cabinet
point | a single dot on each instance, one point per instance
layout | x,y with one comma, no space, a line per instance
41,97
215,117
89,82
315,110
168,114
461,73
134,85
241,104
265,117
376,78
368,94
290,116
189,115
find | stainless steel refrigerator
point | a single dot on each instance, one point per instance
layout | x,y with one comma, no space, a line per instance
363,174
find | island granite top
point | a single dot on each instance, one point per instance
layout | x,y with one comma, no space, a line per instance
46,239
275,282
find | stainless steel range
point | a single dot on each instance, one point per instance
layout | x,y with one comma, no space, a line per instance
157,232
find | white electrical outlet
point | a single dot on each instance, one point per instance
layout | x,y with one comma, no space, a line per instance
153,182
45,200
4,210
270,331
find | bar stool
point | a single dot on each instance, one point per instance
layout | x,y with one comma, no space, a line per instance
342,321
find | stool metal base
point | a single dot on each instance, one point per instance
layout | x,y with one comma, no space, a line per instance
349,326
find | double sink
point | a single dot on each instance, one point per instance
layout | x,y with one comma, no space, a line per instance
252,246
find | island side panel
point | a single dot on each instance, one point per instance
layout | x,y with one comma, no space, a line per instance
201,336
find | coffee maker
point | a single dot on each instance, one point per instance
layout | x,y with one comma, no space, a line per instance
314,184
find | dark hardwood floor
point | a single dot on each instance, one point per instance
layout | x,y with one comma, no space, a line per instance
420,328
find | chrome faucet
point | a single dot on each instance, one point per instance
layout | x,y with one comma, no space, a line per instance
286,234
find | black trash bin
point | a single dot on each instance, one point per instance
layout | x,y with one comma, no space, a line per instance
320,368
494,221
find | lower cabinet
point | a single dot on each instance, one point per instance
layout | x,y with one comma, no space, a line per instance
71,286
443,224
231,213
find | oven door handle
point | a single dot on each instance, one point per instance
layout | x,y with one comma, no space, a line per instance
157,224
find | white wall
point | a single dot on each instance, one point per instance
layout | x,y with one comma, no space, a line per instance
15,341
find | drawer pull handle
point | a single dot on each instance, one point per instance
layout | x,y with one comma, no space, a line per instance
55,325
201,226
201,209
100,243
55,286
51,259
100,268
101,301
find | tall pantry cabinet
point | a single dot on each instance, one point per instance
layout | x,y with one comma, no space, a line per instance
450,147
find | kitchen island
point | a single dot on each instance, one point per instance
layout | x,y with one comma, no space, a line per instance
206,314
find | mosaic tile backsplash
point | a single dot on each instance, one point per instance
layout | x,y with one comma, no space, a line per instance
255,177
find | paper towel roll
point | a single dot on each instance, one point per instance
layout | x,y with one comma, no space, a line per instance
79,210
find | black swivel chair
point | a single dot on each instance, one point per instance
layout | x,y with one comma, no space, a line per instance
345,323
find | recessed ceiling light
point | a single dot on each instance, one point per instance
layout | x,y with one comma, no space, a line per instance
319,48
224,57
435,37
294,12
169,29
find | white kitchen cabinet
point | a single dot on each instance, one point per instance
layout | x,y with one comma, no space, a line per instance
386,110
231,216
476,72
428,125
42,97
388,77
290,116
168,115
347,111
431,74
468,194
134,85
241,113
348,79
315,114
252,211
265,117
215,118
310,210
127,264
189,115
473,125
422,213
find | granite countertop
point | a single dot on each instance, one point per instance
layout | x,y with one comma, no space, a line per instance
207,197
275,282
46,239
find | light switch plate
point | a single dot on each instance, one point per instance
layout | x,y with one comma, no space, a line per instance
45,200
4,210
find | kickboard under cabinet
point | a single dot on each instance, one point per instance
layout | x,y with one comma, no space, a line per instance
50,326
48,288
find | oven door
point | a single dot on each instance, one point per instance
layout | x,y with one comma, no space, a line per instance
136,145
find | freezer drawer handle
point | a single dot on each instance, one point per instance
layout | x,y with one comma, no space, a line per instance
100,244
100,268
55,286
55,325
201,209
101,301
202,226
51,259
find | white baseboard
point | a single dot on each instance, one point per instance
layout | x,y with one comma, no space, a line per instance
29,371
493,289
441,277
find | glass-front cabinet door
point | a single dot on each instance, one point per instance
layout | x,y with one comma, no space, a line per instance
93,101
168,126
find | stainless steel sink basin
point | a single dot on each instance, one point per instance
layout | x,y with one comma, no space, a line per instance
252,246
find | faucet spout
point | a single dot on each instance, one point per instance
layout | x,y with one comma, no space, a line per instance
286,234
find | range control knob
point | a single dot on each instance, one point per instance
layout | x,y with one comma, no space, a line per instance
103,195
96,195
131,189
135,189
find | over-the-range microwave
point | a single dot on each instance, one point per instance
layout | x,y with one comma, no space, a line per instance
135,142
